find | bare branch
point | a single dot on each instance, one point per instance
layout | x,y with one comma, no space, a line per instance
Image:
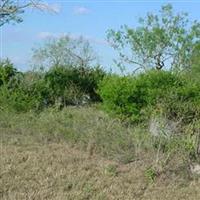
10,11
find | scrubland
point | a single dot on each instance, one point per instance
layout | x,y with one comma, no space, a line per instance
82,153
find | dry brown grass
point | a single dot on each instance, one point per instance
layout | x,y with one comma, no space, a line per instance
35,170
38,166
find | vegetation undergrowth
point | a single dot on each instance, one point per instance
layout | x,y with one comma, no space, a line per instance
150,117
110,138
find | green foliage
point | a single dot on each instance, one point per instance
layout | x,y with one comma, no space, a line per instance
161,40
130,95
111,170
7,71
65,81
195,60
12,92
60,86
193,73
70,80
17,99
151,174
183,102
116,94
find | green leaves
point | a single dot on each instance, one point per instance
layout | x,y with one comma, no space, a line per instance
35,90
132,96
161,40
7,71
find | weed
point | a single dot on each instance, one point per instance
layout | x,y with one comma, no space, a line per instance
111,170
151,174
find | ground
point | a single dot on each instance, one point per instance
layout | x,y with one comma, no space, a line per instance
38,167
58,171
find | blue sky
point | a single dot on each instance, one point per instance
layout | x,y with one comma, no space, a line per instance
88,18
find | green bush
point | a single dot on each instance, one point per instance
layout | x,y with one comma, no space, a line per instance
17,99
60,86
130,96
7,71
60,82
116,93
183,102
14,93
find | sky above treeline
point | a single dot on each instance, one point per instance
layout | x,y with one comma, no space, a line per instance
88,18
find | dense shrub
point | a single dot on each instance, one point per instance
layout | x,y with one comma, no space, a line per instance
183,102
119,96
12,95
133,96
60,85
17,99
7,71
65,81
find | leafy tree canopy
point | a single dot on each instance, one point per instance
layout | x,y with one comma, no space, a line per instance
163,40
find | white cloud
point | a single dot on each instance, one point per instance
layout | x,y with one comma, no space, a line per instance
81,10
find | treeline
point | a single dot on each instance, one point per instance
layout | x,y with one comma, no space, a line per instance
177,95
165,47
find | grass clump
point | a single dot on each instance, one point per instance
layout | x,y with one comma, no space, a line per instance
151,174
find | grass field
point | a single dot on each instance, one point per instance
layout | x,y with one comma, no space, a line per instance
81,153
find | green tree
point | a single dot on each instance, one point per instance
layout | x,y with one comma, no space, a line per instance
193,73
7,71
195,58
64,51
161,40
